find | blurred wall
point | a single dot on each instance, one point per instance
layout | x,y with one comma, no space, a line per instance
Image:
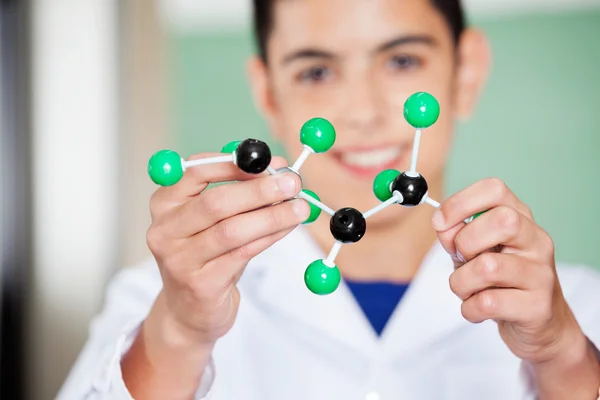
536,127
145,118
75,178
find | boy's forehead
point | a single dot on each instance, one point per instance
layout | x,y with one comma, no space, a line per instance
355,23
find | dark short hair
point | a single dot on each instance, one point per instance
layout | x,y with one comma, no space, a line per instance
452,10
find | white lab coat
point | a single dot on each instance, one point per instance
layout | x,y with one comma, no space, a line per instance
290,344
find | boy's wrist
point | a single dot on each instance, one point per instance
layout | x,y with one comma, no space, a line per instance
165,360
574,373
161,326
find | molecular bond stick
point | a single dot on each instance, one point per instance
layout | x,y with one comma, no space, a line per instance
317,135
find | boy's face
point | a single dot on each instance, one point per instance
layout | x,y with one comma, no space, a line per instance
355,62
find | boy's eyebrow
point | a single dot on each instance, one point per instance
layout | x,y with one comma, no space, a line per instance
308,53
406,39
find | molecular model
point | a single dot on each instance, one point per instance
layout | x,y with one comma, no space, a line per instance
317,135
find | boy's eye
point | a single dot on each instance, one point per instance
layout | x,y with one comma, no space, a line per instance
403,61
315,74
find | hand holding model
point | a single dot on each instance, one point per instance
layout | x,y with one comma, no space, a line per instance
202,239
506,272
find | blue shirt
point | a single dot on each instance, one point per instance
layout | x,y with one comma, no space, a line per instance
378,300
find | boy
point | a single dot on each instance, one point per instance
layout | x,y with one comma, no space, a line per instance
222,311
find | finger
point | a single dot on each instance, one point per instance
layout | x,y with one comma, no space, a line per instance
446,239
225,201
497,270
501,226
479,197
242,229
509,305
228,268
196,179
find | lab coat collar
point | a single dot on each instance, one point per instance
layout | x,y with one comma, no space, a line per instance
428,310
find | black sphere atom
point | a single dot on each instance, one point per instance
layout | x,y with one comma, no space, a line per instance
412,189
348,225
253,156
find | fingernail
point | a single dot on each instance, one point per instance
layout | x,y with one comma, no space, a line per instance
438,220
287,184
460,257
301,209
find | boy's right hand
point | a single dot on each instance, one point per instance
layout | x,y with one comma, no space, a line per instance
203,239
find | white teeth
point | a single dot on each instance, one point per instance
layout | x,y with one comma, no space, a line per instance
371,158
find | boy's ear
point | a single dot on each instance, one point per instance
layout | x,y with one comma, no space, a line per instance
474,65
264,100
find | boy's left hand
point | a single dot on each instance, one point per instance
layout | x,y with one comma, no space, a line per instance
505,271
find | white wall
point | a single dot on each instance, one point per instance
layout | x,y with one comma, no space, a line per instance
76,154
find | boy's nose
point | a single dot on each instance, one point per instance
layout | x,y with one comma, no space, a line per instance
364,109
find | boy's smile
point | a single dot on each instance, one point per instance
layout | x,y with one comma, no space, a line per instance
365,162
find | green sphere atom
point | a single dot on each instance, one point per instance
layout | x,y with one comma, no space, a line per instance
318,134
231,147
382,182
478,214
474,217
421,110
314,210
165,168
321,279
